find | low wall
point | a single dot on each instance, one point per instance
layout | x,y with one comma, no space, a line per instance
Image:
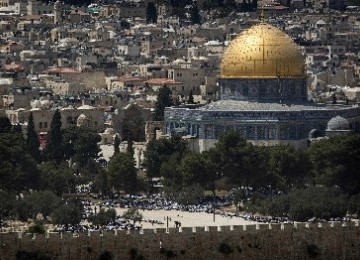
263,241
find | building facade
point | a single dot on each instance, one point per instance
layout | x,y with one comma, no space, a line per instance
263,96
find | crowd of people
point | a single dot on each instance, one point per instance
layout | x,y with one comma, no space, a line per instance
211,205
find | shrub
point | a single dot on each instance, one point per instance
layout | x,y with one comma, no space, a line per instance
303,204
36,228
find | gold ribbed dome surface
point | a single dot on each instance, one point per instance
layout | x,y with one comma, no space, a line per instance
262,51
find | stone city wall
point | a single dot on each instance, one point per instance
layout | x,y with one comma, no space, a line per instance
264,241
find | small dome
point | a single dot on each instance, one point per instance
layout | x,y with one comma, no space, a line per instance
35,103
314,134
110,131
81,120
338,123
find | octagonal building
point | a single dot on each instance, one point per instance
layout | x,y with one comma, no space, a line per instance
263,96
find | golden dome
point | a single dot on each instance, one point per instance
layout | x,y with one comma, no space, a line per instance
262,51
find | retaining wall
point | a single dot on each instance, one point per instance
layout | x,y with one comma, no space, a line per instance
263,241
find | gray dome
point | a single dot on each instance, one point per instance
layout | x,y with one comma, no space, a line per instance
110,131
314,134
338,123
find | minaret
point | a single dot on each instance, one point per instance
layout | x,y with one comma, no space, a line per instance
57,12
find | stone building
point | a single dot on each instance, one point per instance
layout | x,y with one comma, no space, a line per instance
190,77
91,116
61,87
108,136
39,8
263,96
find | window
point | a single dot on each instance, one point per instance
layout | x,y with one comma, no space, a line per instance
95,123
45,125
40,125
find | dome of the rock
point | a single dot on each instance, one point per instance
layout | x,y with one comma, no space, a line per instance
262,51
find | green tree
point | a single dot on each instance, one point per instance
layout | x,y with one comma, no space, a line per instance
354,204
57,178
160,150
102,183
164,99
122,172
191,98
36,228
354,2
81,144
53,149
248,6
189,195
18,169
32,140
335,162
104,217
116,144
5,125
210,4
195,169
43,202
195,15
17,129
235,158
7,205
231,4
130,148
133,214
151,13
303,204
124,24
171,173
288,167
67,214
133,125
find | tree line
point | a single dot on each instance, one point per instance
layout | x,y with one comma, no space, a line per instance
34,182
277,175
68,160
328,169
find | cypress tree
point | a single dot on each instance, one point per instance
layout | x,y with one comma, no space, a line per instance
195,15
32,141
5,125
53,149
116,144
17,129
151,13
130,148
191,98
164,99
